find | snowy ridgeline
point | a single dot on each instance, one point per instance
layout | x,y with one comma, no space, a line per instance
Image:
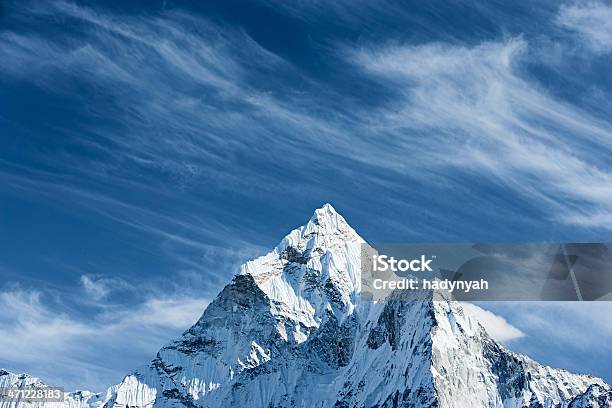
290,331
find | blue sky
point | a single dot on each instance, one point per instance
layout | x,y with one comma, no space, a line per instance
147,149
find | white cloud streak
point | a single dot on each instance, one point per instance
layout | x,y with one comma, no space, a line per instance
497,327
591,21
99,287
183,84
475,108
92,352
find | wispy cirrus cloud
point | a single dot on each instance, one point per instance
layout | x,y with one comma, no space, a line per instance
191,97
99,287
591,21
476,108
186,106
87,353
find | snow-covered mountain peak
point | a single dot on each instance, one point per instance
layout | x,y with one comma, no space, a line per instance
313,269
325,231
327,221
291,330
8,380
77,399
277,303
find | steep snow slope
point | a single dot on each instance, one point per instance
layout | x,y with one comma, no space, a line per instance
291,331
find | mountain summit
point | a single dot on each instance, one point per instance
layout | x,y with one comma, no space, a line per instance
290,330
